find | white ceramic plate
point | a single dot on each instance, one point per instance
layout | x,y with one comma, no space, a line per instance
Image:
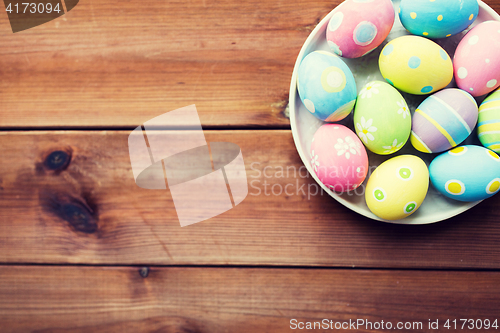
435,207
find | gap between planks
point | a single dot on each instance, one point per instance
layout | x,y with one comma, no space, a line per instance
130,128
262,267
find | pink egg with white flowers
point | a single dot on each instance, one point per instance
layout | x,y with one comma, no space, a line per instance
338,158
359,26
476,64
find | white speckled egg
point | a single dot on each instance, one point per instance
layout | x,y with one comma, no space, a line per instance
466,173
382,118
477,62
443,120
359,26
415,65
397,187
437,19
326,86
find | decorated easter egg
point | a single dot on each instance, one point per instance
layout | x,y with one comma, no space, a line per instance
443,120
326,86
382,118
437,19
338,158
488,127
466,173
397,187
415,65
359,26
476,62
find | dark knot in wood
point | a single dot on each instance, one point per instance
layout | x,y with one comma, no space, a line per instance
73,210
79,217
58,160
144,272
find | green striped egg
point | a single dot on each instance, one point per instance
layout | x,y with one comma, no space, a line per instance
488,127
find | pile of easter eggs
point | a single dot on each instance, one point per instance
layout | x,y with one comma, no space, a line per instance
413,64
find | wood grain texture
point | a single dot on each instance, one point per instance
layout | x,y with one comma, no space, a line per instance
119,63
112,221
202,300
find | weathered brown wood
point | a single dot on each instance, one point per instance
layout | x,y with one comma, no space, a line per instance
109,220
119,63
69,197
95,299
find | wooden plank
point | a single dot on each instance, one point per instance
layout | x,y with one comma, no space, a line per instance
116,222
176,299
119,63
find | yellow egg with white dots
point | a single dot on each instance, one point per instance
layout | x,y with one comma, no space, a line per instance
415,65
397,187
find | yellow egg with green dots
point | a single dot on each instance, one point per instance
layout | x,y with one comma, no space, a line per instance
415,65
397,187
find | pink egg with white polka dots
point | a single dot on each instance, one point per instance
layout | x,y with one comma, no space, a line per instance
359,26
476,64
338,158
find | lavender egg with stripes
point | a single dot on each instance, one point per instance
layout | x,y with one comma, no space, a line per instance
443,120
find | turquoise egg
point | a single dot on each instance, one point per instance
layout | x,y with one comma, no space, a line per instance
326,86
437,19
466,173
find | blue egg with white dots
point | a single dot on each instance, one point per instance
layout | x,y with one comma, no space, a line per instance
326,86
437,19
466,173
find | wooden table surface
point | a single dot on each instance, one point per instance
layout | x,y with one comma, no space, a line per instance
122,263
